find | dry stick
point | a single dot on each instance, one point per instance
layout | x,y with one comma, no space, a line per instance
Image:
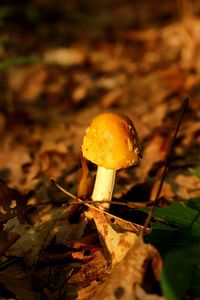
135,205
79,201
136,228
167,161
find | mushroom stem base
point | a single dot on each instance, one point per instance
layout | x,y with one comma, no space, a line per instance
104,184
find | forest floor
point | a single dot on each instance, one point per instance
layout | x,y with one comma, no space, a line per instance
61,65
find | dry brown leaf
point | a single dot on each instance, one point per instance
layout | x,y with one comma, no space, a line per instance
173,78
2,122
154,151
64,56
155,117
112,98
187,186
6,241
182,38
83,84
115,242
18,282
190,133
130,273
141,294
165,192
103,60
12,203
90,273
13,157
52,223
28,82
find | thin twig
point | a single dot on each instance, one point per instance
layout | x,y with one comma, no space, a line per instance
93,206
64,191
133,205
167,161
79,201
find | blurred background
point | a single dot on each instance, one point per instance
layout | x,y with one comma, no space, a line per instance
61,64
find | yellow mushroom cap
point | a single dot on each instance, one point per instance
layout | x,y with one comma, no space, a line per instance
111,141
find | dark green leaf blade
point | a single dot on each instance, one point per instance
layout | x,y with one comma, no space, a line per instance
179,215
195,172
194,203
180,267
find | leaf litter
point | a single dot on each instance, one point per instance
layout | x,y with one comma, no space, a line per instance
56,250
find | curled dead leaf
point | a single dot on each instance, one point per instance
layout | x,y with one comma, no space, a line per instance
117,236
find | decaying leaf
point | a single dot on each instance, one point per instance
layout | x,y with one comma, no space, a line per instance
92,272
6,240
29,82
94,59
116,237
154,152
51,224
12,203
18,282
166,191
128,275
188,186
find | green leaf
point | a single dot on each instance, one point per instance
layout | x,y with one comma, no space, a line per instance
19,60
179,242
180,272
177,237
28,12
178,214
182,228
166,240
194,203
195,172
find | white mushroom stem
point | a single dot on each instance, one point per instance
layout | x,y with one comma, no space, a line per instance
104,185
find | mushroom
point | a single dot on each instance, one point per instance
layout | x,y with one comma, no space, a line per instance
111,142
